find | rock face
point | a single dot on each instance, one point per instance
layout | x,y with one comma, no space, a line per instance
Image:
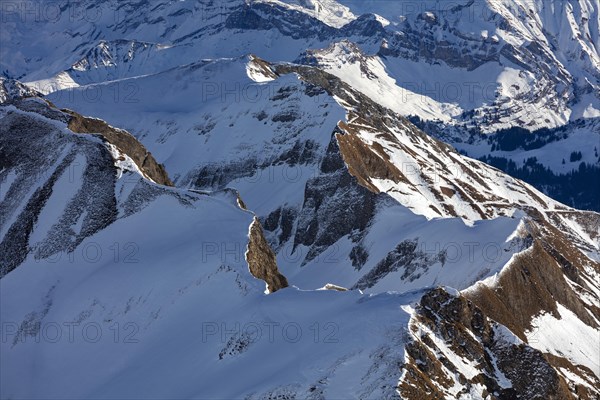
261,259
373,135
55,158
335,206
35,157
450,331
551,275
125,143
18,95
12,89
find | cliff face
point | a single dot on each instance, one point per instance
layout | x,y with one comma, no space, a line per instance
125,143
555,279
387,153
495,327
53,152
449,332
35,160
20,96
261,259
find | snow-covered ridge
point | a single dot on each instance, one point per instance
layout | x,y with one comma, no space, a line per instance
330,12
124,279
485,62
133,289
85,165
295,176
449,183
449,265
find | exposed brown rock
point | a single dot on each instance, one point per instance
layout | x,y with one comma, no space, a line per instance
261,259
365,163
125,142
263,66
448,191
421,371
535,282
469,333
580,391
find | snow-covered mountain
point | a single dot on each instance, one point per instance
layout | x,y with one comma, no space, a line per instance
463,66
491,63
114,239
208,199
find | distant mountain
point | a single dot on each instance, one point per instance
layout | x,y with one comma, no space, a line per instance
496,63
476,65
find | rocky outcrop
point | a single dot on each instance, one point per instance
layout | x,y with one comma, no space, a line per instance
367,162
449,331
261,16
552,271
335,205
26,99
261,259
125,142
11,90
406,257
420,42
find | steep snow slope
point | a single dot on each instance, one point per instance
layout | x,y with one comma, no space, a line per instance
293,174
118,311
49,184
114,60
357,197
368,74
230,88
348,202
124,296
480,65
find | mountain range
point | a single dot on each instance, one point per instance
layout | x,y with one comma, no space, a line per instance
300,199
